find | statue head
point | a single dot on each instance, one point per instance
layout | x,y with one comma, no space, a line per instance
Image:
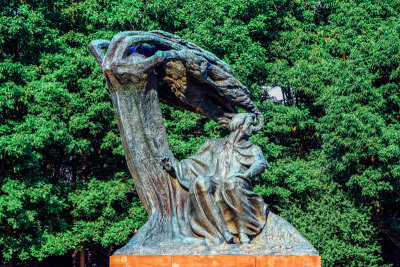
243,122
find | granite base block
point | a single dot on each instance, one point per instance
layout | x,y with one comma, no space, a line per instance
215,260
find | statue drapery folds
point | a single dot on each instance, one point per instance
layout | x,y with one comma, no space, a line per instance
221,204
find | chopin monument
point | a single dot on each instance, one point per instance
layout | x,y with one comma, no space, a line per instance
203,205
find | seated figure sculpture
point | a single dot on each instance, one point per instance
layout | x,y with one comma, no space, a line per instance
205,200
221,204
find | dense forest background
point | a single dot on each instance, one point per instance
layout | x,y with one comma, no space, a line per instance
66,197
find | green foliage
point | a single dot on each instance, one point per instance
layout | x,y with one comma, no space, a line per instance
333,222
334,154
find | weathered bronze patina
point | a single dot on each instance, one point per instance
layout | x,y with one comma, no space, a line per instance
203,204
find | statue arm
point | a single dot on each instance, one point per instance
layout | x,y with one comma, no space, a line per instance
189,169
259,165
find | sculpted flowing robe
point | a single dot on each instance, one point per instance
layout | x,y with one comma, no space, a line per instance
219,200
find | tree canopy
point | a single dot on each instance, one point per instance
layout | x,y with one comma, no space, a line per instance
334,148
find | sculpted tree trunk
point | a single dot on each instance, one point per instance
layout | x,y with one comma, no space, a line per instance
145,143
144,139
182,75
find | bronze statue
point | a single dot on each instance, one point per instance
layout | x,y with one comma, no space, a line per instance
203,204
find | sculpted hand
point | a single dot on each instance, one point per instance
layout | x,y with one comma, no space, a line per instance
166,163
168,166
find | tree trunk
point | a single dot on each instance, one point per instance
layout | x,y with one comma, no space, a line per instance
9,263
89,257
75,258
82,256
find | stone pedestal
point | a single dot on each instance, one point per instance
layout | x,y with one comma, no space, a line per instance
215,260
